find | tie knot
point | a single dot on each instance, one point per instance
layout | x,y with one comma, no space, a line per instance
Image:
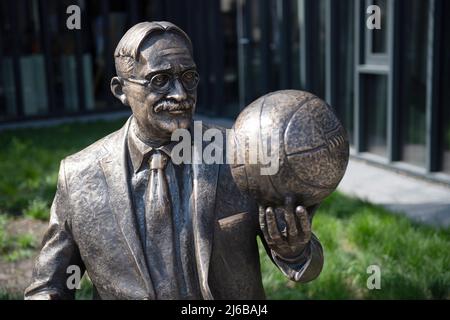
158,160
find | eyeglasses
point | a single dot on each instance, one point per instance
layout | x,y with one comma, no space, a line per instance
162,82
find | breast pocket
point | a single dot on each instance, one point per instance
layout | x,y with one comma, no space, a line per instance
236,230
234,221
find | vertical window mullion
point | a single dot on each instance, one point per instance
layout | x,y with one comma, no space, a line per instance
393,119
359,55
331,43
432,112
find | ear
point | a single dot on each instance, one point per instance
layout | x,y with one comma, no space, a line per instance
117,90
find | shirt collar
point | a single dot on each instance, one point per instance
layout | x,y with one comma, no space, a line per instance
139,151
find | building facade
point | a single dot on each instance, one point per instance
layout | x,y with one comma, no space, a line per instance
390,86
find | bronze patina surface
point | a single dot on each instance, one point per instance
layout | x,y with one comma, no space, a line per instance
143,227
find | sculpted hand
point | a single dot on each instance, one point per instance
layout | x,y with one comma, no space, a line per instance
290,235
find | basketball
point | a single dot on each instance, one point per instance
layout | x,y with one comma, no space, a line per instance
305,141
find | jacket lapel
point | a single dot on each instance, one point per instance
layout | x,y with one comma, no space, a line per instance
205,176
204,192
114,166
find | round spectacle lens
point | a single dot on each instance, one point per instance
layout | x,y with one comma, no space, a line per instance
160,81
190,80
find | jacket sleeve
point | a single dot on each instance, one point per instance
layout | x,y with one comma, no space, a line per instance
306,267
59,251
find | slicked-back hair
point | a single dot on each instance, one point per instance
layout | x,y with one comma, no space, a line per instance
127,51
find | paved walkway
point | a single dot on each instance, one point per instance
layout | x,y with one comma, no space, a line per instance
420,200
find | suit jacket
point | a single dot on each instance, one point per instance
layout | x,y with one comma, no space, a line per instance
92,225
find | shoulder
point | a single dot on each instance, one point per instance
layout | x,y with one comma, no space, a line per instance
92,152
88,157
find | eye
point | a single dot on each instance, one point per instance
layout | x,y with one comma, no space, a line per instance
160,80
190,79
188,75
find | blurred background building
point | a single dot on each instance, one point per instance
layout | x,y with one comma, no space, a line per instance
390,87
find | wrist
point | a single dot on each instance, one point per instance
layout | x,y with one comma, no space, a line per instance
296,258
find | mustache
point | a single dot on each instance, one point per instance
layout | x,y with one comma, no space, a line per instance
173,105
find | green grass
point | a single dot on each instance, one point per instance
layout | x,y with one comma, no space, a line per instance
414,259
4,295
29,162
86,289
14,247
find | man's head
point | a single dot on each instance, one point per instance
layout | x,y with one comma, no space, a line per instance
157,78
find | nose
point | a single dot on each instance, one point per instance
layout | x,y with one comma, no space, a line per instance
177,92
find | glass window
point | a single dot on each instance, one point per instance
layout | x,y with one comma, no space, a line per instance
231,90
62,54
375,113
7,89
295,40
255,23
413,82
376,40
345,65
107,26
319,69
445,92
22,60
379,36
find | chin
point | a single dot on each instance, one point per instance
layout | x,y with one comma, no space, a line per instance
184,123
173,123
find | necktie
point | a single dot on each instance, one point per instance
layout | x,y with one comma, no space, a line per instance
159,229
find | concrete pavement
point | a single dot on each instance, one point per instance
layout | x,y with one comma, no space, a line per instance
418,199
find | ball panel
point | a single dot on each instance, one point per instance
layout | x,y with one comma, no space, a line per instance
338,148
246,130
276,111
323,114
317,169
303,132
260,186
282,180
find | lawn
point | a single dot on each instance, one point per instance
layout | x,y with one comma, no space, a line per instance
414,260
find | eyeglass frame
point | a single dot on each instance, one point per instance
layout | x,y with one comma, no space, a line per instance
172,77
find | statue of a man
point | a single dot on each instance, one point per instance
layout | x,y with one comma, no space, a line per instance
144,227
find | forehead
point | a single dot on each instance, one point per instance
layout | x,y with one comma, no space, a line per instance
162,52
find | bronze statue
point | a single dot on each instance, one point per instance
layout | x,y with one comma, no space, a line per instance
144,227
